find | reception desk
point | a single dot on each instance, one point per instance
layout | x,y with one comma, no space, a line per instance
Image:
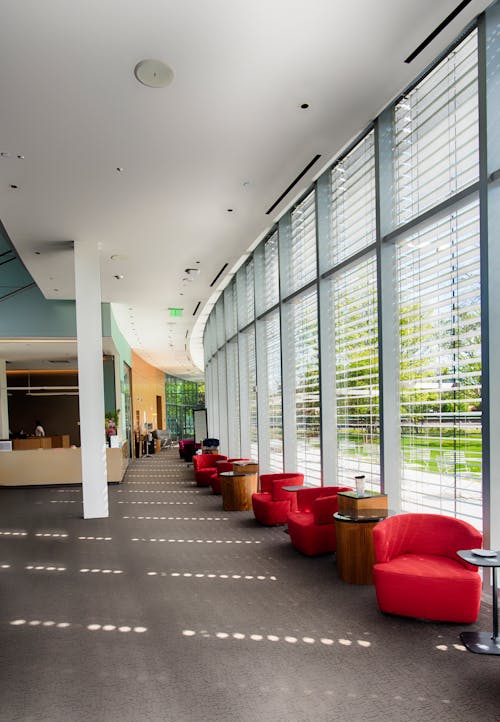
61,441
39,467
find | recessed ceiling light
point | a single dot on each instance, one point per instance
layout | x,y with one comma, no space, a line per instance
119,276
119,170
20,156
153,73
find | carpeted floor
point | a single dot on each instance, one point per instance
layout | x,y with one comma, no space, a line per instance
172,610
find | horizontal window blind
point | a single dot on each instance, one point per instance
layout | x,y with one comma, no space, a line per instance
307,407
436,134
233,398
353,305
302,255
230,310
353,202
271,272
219,321
274,390
440,366
246,298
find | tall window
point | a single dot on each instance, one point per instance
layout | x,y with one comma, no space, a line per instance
353,331
436,155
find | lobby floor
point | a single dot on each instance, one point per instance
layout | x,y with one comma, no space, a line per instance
173,610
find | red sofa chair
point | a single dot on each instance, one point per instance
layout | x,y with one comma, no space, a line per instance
205,468
311,527
272,503
417,571
216,481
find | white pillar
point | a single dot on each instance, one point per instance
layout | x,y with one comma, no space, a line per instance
4,408
90,380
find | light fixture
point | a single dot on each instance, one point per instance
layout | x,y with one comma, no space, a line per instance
153,73
119,276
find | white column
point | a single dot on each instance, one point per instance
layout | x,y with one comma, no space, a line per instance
90,379
4,408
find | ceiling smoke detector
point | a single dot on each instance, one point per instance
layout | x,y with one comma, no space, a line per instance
153,73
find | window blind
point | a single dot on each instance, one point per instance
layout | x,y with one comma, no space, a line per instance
440,366
302,256
353,202
271,272
436,134
230,309
353,306
274,399
233,398
306,365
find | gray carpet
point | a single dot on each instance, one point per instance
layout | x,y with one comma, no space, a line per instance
172,610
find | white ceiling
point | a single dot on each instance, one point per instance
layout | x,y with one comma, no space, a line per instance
227,133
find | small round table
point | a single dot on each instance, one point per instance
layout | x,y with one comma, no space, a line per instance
483,642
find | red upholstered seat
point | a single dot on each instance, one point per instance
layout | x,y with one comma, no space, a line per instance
216,481
205,467
272,504
311,527
417,571
187,448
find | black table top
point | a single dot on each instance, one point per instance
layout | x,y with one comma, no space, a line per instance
362,515
478,560
237,473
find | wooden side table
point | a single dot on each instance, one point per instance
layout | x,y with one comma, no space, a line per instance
237,488
350,502
355,552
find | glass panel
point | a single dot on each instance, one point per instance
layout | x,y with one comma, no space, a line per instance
440,366
304,315
353,202
274,400
271,272
233,399
353,306
436,134
302,259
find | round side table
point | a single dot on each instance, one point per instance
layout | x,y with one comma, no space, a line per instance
483,642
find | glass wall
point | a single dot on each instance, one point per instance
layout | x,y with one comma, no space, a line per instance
359,321
181,398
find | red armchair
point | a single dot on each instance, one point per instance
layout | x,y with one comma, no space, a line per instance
272,504
311,527
205,467
216,481
417,571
